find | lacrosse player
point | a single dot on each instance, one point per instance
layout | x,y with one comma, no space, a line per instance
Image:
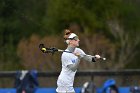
70,62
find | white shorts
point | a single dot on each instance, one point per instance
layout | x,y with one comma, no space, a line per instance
64,87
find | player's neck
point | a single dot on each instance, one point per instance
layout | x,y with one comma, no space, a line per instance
71,49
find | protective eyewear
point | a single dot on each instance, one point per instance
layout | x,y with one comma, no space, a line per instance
74,38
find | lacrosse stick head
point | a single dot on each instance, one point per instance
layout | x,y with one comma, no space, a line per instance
42,48
47,50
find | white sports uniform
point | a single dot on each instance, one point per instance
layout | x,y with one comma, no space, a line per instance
66,77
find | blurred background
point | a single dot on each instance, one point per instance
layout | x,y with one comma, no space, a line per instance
109,28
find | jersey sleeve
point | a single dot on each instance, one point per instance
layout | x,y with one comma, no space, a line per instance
84,56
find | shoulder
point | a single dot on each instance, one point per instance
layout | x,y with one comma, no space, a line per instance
79,50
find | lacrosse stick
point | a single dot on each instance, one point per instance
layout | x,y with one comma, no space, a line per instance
52,50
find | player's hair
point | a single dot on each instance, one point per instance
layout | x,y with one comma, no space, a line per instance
67,33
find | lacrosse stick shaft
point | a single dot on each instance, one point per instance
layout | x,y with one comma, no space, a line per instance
59,50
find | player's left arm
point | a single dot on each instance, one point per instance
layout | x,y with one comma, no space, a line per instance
81,54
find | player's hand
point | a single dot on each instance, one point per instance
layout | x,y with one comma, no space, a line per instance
77,54
97,56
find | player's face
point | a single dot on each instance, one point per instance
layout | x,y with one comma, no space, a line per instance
75,42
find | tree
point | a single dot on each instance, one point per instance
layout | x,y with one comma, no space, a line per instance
127,46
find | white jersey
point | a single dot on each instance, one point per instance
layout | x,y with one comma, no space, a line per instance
66,77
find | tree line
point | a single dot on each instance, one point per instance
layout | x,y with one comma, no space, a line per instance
111,25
